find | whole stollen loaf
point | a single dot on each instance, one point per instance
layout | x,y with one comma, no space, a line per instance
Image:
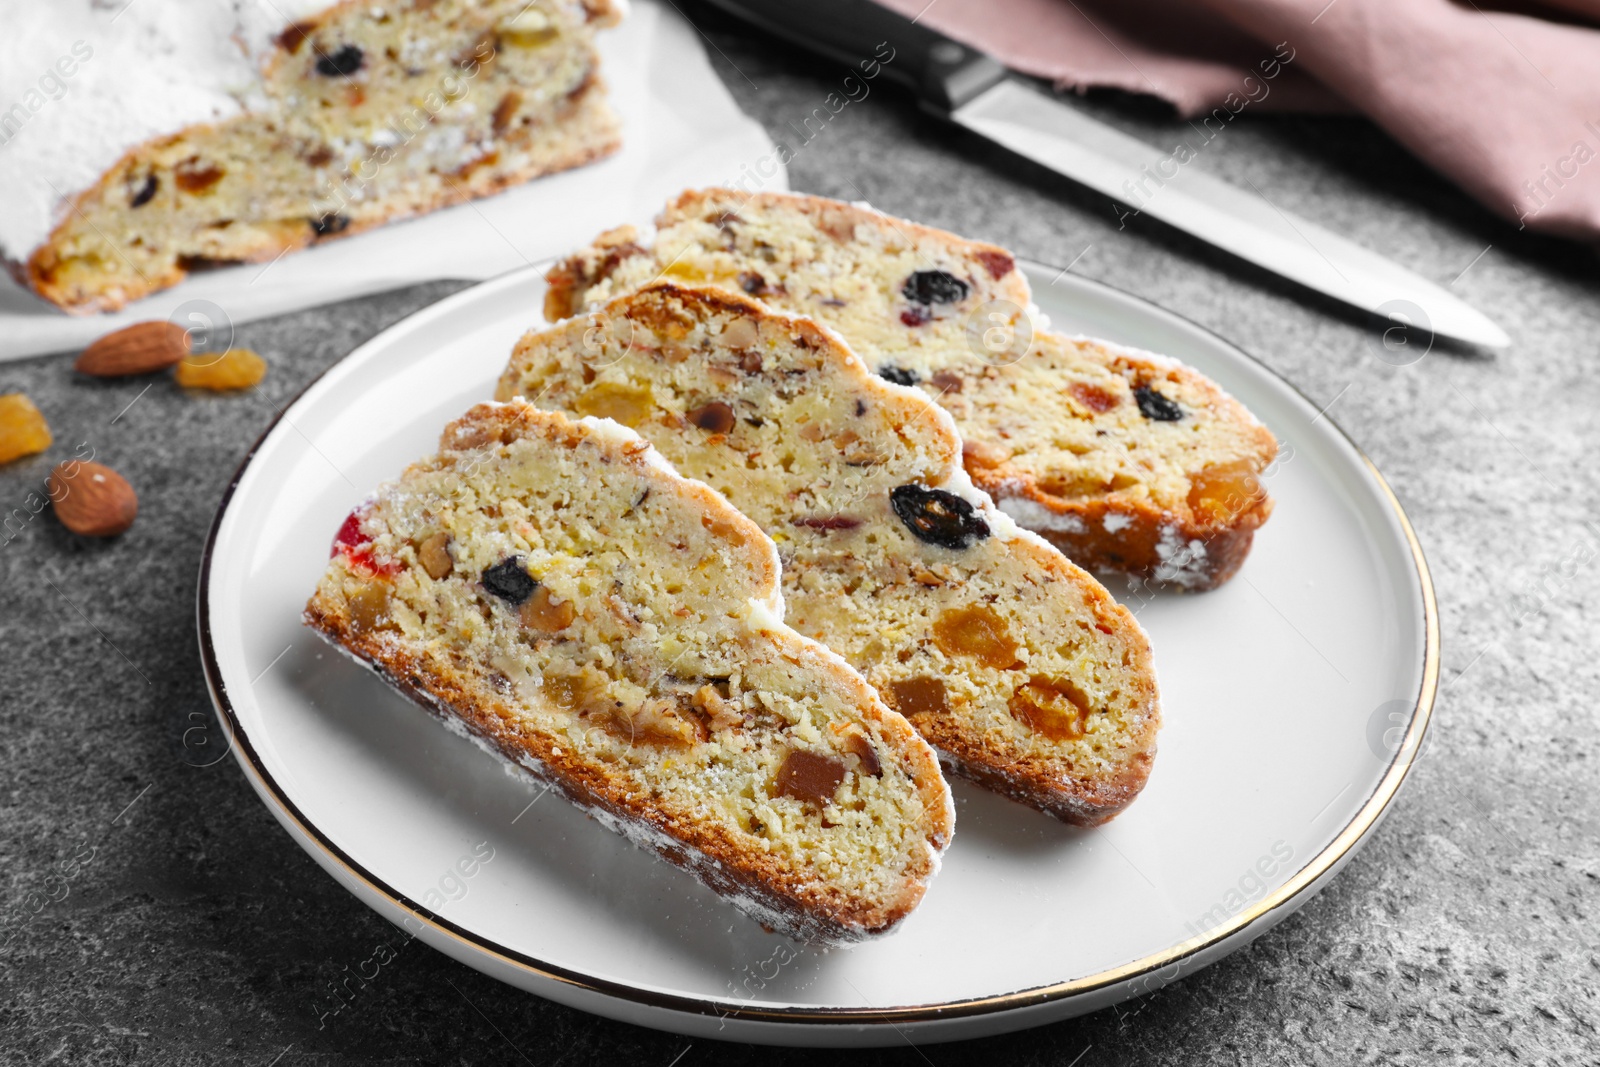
141,141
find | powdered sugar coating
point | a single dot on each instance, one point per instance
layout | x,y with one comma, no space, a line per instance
1035,516
1182,563
138,70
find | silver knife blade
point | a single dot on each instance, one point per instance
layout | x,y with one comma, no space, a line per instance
1246,223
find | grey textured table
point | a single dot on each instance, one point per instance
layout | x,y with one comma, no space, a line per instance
154,913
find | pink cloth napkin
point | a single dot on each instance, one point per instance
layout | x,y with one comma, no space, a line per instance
1504,103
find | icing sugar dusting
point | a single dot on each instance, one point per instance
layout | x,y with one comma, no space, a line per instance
138,70
1181,563
1115,521
1033,515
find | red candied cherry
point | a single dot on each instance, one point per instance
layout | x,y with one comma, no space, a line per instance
353,542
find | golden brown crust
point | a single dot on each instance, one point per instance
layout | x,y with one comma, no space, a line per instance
839,218
810,909
571,277
812,912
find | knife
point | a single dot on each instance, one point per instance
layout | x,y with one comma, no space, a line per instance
972,90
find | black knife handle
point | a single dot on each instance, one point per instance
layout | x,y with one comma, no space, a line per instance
943,73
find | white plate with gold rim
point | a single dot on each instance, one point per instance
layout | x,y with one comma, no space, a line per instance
1295,699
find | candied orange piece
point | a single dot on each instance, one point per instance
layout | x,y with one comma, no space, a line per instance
686,272
237,368
369,607
564,691
809,776
540,612
918,696
529,38
23,430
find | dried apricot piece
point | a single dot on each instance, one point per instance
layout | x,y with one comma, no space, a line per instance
237,368
627,404
1220,493
1093,397
196,176
23,430
977,632
1053,707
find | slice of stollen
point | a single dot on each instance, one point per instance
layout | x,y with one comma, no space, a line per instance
1128,462
1017,665
556,591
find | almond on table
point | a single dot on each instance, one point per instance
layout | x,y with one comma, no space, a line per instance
141,348
91,499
